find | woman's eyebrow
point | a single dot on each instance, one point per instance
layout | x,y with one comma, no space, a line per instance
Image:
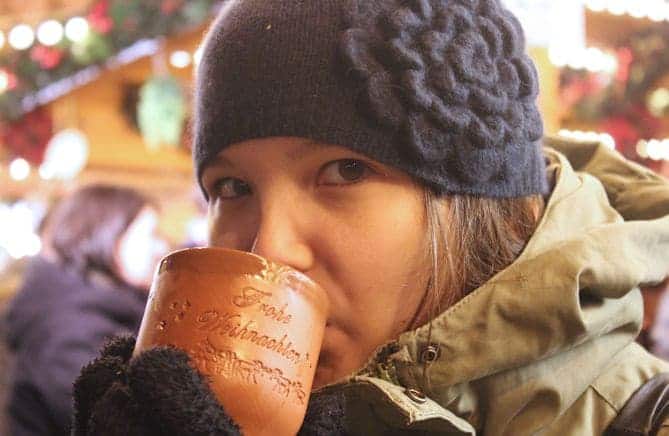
221,161
301,152
304,150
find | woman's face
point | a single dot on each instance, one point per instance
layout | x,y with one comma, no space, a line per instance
353,225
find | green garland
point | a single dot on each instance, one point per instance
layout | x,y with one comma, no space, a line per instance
39,74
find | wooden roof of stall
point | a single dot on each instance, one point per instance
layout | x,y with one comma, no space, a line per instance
607,30
34,11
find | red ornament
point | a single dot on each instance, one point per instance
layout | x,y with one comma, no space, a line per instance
47,58
631,126
623,131
580,87
99,18
29,136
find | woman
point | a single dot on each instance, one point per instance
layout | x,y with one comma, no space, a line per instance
391,150
89,284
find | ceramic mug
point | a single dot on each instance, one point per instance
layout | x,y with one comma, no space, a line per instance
254,328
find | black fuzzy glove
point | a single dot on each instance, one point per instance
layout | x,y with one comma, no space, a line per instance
159,393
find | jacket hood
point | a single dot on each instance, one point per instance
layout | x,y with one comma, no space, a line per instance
519,350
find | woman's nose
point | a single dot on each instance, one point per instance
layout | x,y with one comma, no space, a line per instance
280,238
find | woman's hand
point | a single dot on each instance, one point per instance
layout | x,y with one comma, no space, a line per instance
159,393
156,393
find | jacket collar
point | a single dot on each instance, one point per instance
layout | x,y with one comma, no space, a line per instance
538,333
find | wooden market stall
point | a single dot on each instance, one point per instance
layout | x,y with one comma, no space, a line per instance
104,110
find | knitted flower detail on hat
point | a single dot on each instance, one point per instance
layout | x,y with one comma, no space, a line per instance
453,79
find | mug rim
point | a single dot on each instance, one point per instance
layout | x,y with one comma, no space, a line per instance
201,260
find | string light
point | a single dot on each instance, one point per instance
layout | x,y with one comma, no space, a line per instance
591,59
653,149
641,149
19,169
658,101
50,32
21,37
579,135
180,59
76,29
637,10
655,10
616,7
596,5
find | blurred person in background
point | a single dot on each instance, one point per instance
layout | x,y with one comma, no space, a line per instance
89,283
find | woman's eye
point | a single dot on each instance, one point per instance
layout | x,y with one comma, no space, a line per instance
343,172
230,189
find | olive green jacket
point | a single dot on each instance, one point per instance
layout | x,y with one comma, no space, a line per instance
547,345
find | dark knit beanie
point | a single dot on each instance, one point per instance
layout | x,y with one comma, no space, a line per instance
442,89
